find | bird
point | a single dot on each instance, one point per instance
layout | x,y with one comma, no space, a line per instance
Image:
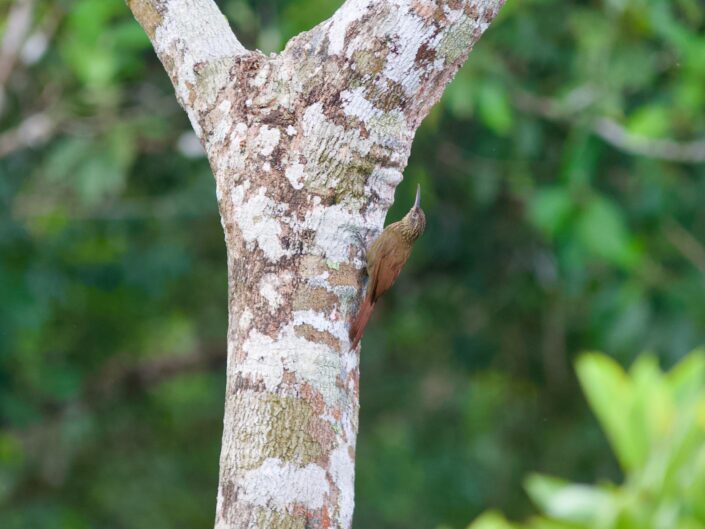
385,259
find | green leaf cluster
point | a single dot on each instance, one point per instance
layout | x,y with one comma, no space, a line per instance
655,422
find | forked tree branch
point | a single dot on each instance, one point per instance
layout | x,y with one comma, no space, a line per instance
307,147
395,55
195,44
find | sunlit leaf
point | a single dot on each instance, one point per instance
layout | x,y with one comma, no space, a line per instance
687,378
491,520
581,504
610,394
651,121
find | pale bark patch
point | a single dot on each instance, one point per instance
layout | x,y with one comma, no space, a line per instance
257,219
278,484
342,465
268,139
270,286
341,21
267,358
295,174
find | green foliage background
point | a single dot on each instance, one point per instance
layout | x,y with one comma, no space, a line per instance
544,239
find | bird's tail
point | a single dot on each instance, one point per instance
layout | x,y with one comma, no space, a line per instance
357,329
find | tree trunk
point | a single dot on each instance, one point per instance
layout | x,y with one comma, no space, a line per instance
307,147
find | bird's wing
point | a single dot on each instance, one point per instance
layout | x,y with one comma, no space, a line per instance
391,256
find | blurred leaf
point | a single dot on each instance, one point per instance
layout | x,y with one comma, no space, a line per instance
491,520
458,96
579,504
11,451
550,209
651,121
602,232
609,393
301,15
95,66
50,223
86,18
687,378
99,177
580,159
88,49
129,36
64,157
92,171
494,109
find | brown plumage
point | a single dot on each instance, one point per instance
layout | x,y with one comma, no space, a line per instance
385,259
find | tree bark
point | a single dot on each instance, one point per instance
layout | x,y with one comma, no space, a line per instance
307,147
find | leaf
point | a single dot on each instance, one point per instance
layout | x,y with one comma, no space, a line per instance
95,66
609,393
580,158
64,158
601,230
545,523
654,413
550,209
491,520
12,453
652,121
84,48
687,378
494,108
129,36
582,504
50,223
87,18
98,178
301,15
458,97
121,144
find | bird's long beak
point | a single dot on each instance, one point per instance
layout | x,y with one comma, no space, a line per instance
417,202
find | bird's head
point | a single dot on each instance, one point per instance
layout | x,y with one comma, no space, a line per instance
415,220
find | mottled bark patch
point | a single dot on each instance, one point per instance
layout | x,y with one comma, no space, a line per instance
147,12
314,298
310,333
335,274
296,433
275,520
